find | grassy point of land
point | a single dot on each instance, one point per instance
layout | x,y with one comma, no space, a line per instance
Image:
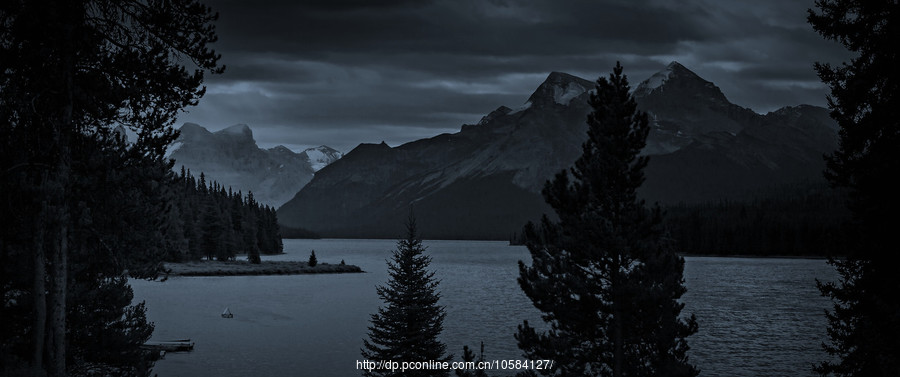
234,268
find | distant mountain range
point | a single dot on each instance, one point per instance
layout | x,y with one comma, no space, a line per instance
484,182
232,158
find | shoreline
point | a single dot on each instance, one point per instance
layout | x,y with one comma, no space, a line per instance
244,268
751,256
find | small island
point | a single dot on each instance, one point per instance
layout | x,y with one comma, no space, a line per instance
237,268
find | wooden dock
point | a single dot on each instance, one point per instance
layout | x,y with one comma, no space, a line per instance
178,345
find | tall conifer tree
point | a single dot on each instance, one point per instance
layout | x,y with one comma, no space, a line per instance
605,276
408,326
864,325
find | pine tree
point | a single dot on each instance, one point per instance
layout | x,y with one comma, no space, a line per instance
277,243
236,207
264,231
249,230
193,234
864,326
212,242
605,276
174,232
312,259
408,326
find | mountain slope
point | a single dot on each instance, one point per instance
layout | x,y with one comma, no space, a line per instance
485,181
374,185
781,147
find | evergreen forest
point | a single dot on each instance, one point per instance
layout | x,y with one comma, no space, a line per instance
213,222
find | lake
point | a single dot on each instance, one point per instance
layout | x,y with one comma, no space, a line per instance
757,316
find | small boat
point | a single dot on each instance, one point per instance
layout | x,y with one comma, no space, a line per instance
227,314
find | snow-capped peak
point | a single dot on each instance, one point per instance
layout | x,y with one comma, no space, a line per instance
559,88
674,71
319,157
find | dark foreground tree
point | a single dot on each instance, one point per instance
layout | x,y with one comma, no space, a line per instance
408,326
605,276
120,207
864,326
71,71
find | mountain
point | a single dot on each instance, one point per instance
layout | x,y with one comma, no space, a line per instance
232,158
484,182
683,107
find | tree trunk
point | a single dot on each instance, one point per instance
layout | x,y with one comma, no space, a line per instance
58,285
618,342
39,294
56,362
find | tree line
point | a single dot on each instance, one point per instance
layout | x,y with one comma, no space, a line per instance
803,219
208,221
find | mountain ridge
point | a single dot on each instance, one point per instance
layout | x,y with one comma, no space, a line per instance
701,147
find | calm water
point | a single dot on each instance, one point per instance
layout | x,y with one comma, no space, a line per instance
757,316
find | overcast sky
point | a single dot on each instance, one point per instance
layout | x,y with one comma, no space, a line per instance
340,73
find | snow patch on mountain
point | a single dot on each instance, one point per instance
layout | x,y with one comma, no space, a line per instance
321,156
653,82
565,95
524,107
657,80
172,148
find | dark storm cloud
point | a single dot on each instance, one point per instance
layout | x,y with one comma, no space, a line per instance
510,28
304,73
332,5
